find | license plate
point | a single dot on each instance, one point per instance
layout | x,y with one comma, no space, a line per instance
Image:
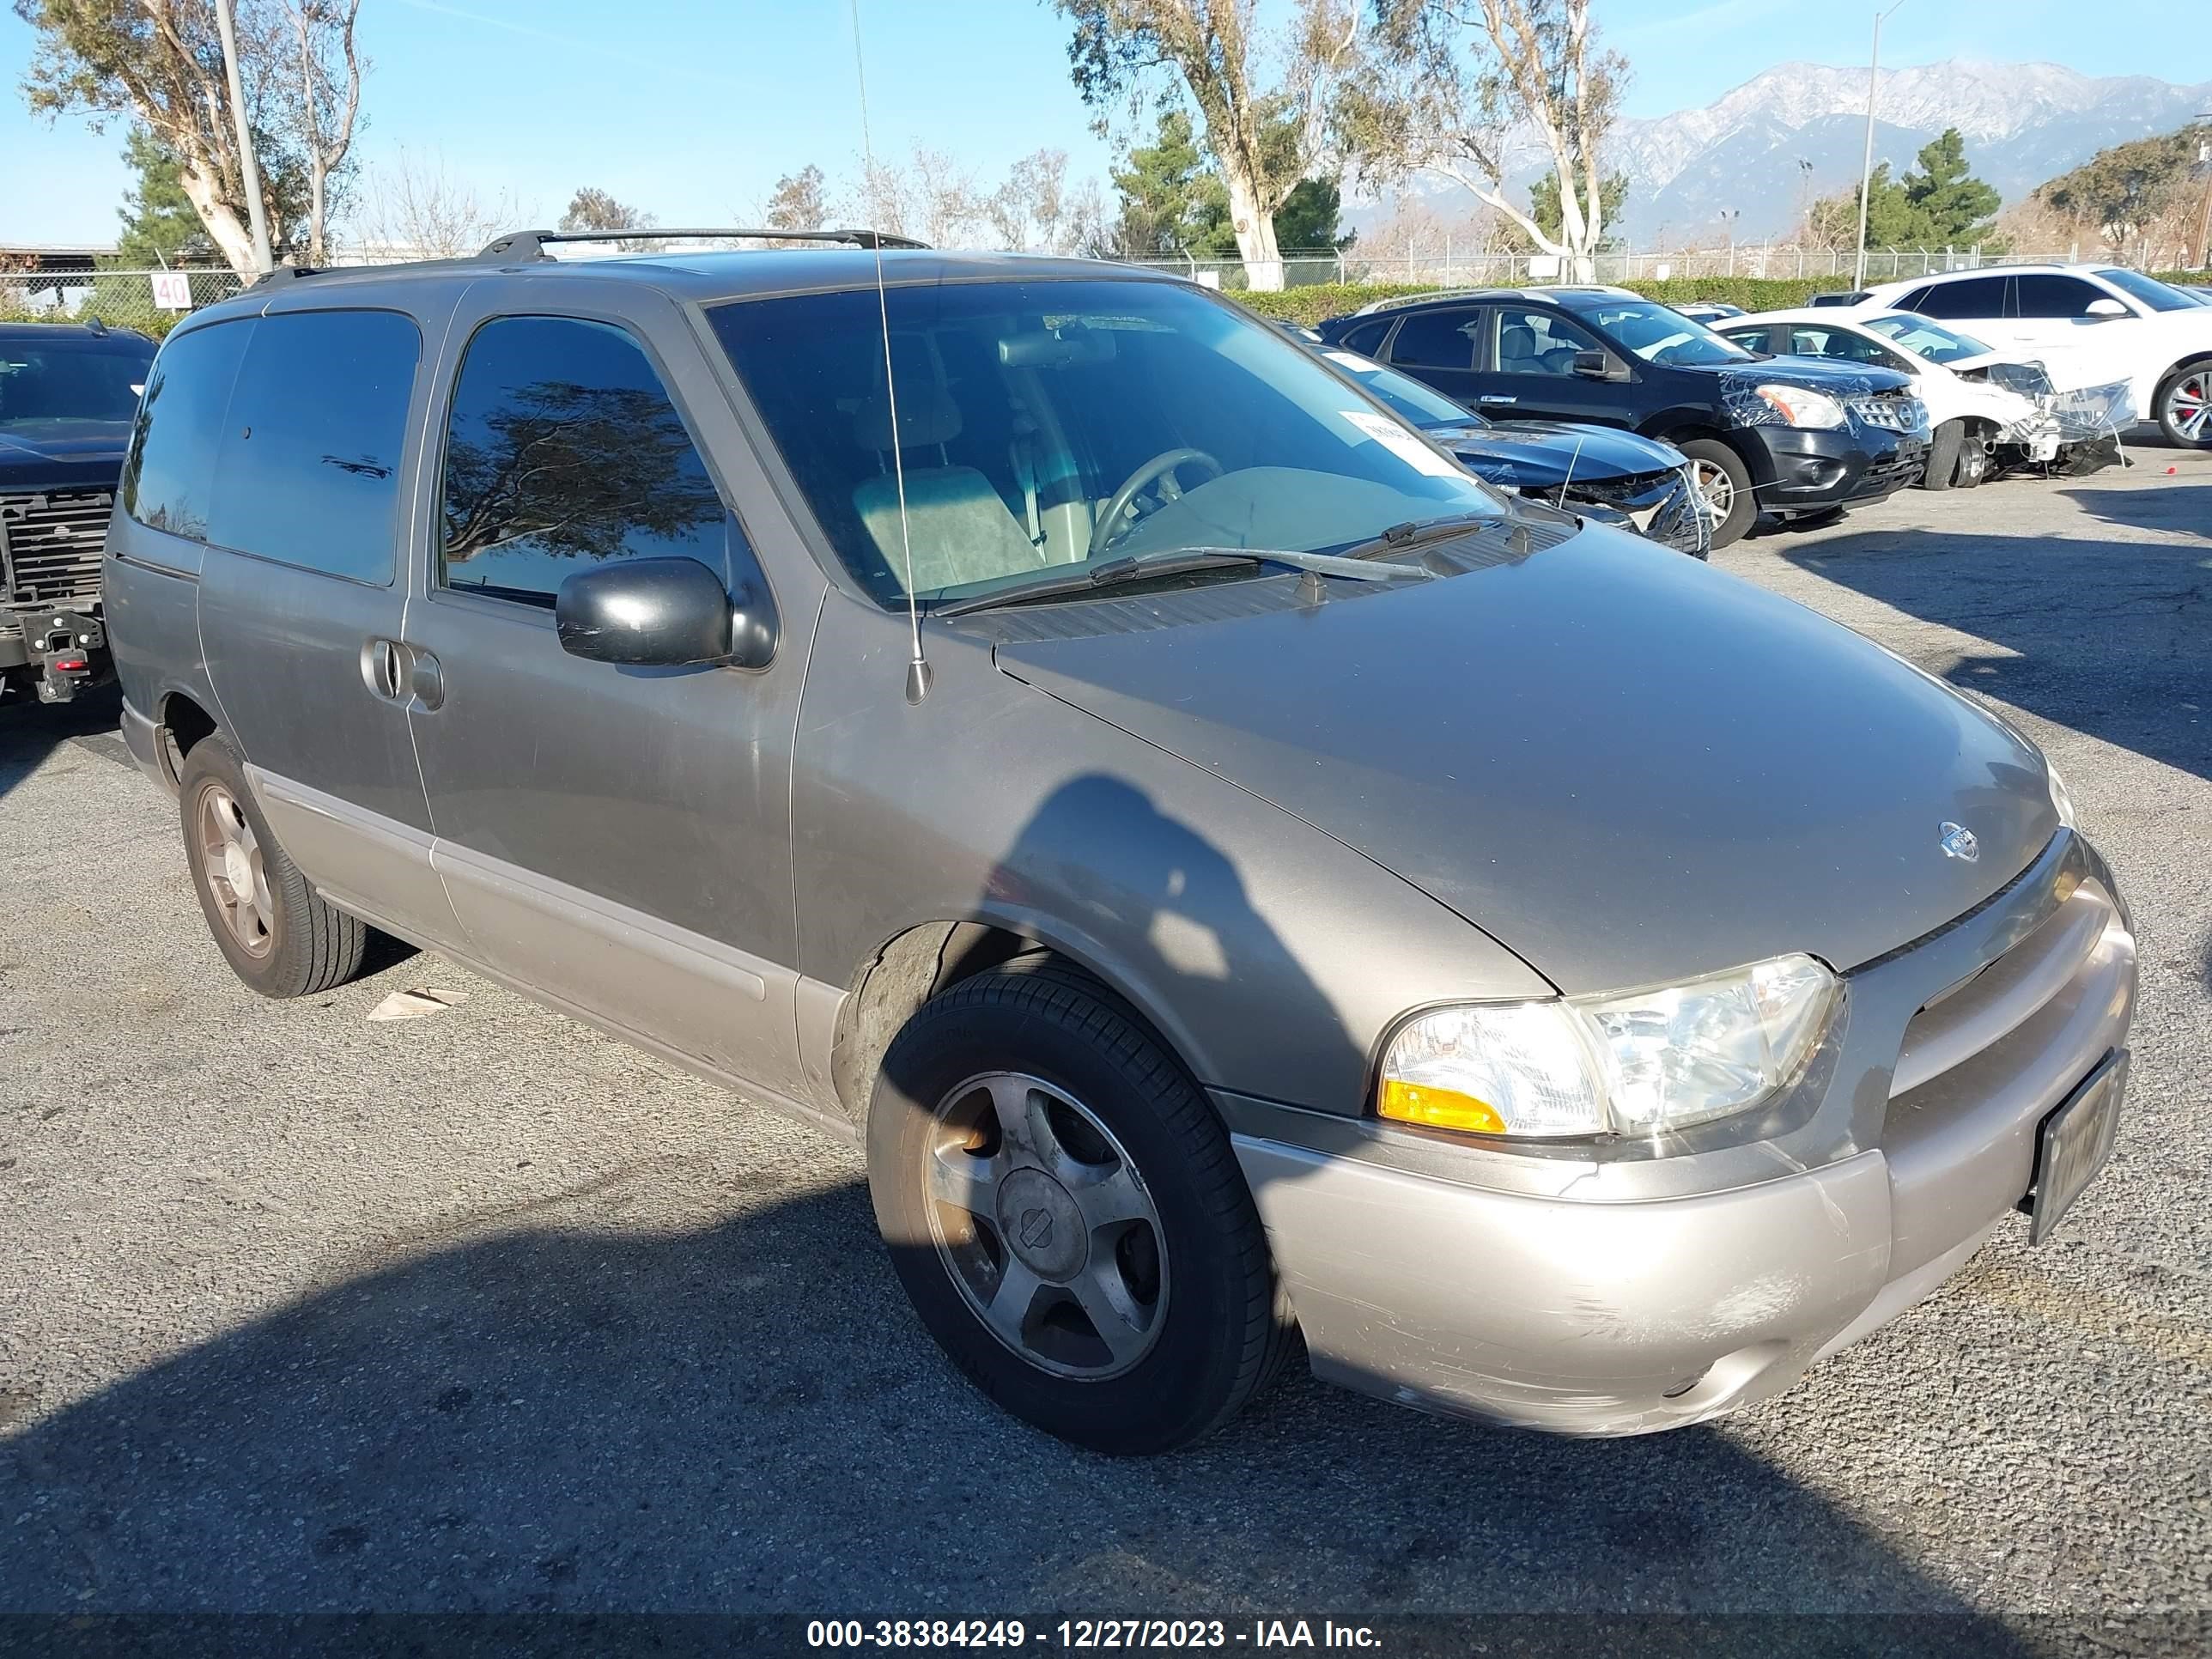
2073,1143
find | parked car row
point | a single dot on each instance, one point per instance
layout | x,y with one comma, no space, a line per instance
1794,437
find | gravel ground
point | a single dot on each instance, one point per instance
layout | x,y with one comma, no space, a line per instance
483,1312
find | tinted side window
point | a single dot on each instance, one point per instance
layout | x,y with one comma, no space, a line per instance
308,471
1366,337
562,450
1436,339
1539,342
1979,297
1809,341
2053,296
168,472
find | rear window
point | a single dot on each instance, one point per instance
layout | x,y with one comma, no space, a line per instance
169,473
1977,297
308,472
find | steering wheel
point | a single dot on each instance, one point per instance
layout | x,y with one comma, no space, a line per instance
1110,526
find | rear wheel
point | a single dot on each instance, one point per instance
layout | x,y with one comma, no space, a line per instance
1723,486
2185,405
1064,1211
278,933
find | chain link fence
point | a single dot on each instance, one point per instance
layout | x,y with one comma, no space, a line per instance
151,301
1446,266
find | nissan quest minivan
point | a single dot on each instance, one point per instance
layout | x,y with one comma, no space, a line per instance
1242,879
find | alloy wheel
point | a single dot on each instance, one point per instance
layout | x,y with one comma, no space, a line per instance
231,867
1715,491
2189,406
1045,1225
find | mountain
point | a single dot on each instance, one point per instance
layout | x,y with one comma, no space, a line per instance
1794,133
2023,123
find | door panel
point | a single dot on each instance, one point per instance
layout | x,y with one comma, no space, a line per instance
616,837
1528,370
300,584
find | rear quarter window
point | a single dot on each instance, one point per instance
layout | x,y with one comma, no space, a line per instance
169,472
308,470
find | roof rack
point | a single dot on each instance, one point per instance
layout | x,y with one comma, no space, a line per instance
530,244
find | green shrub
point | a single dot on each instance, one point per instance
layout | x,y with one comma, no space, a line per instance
1325,300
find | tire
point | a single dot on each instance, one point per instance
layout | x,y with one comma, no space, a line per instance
1973,468
1713,463
284,939
1943,455
1182,1279
2185,405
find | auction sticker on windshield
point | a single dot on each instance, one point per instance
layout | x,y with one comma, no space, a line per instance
1400,442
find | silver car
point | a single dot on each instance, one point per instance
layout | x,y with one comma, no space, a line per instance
1239,877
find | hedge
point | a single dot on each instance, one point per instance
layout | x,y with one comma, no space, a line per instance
1322,301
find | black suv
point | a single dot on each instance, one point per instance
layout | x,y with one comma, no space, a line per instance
68,393
1786,435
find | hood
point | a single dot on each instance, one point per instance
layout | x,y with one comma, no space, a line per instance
1838,379
62,455
1627,770
1536,454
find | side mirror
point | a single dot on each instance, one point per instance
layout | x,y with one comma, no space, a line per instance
1598,366
662,613
2105,307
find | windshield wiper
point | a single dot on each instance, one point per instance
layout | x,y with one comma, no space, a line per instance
1144,566
1415,532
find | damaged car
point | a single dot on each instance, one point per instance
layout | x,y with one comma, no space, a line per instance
2128,327
1798,440
1248,888
68,393
1595,472
1988,411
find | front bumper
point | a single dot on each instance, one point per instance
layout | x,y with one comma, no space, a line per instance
1594,1309
1795,469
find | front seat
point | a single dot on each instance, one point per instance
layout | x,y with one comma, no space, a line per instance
960,529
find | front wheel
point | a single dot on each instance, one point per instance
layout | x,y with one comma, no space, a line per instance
2185,405
1066,1214
1724,490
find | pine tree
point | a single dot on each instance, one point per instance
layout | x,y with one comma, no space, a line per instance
1953,207
159,225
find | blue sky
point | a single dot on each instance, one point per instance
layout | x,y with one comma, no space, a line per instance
691,109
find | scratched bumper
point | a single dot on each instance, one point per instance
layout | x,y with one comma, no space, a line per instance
1580,1318
1624,1314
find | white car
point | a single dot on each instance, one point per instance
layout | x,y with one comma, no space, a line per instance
2138,329
1989,410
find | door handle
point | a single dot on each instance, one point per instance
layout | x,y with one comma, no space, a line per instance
396,671
1496,398
380,668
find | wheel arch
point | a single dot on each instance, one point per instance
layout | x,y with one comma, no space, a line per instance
927,958
180,723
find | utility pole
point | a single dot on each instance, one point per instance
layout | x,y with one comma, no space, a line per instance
249,168
1866,164
2204,231
1729,217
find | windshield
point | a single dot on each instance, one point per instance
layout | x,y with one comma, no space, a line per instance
2148,290
1407,395
1660,334
70,378
1043,424
1923,339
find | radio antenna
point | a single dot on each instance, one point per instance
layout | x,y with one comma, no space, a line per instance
917,667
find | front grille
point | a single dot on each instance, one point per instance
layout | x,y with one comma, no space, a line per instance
1968,1040
1637,490
1892,412
50,546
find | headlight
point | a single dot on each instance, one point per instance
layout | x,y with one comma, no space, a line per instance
2062,802
1799,407
1641,1063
